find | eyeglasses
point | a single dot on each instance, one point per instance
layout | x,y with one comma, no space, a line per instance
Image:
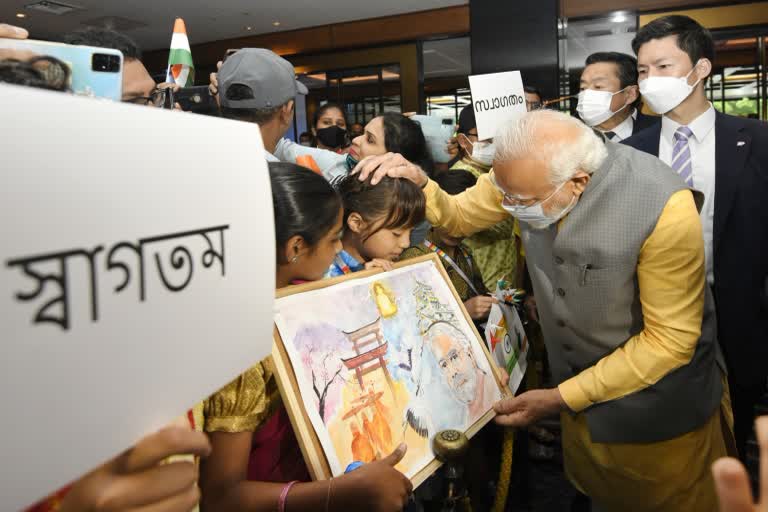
517,202
534,105
160,97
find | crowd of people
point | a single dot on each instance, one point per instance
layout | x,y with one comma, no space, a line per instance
641,241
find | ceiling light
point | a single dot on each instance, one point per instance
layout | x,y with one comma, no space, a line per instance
249,28
275,23
619,17
21,15
52,7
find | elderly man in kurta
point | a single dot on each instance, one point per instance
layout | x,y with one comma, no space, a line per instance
616,255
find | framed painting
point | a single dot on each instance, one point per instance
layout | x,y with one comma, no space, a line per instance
372,359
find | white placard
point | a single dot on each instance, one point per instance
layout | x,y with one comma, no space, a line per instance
497,98
162,225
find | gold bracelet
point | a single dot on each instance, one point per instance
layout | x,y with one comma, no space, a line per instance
328,496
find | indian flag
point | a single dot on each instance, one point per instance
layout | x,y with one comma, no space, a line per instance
181,69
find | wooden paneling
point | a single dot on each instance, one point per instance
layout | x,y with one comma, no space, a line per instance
377,31
406,27
403,55
725,16
445,85
582,8
451,21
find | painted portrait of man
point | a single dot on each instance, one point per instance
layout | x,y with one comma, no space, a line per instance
469,384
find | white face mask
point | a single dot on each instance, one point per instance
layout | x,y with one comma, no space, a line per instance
664,93
534,214
594,107
483,152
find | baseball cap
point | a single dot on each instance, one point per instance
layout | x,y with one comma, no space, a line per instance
271,78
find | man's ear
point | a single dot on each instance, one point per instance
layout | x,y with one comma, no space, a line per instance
580,181
633,92
465,143
703,69
287,112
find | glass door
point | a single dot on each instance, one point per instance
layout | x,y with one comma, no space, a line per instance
364,92
738,82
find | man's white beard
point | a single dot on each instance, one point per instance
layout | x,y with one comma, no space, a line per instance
465,392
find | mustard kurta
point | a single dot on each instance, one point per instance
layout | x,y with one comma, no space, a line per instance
673,475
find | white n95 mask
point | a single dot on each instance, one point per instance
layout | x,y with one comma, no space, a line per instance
483,152
663,93
534,214
594,107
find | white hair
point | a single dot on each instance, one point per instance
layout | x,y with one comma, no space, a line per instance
443,328
528,137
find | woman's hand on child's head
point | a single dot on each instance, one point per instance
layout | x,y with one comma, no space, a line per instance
377,486
393,165
480,307
385,265
137,480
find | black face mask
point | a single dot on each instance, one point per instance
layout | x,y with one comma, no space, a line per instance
332,137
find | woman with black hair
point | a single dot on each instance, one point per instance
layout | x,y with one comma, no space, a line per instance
329,128
393,133
255,463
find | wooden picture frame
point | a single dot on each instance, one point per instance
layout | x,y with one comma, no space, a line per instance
309,442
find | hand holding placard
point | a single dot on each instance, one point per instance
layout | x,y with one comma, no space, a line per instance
135,282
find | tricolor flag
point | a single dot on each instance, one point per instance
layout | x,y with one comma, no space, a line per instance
181,69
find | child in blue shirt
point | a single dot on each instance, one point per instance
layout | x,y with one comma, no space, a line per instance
378,220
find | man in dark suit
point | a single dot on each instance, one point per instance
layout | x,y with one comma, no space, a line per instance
725,157
609,100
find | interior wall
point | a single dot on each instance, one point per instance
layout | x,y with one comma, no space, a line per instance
450,21
405,55
724,16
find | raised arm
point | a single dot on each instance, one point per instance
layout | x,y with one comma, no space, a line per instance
474,210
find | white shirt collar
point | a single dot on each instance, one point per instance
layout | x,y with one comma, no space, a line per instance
624,128
701,126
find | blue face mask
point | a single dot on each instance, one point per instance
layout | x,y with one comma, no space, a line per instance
351,162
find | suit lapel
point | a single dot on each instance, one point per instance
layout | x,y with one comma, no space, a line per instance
648,139
642,122
732,146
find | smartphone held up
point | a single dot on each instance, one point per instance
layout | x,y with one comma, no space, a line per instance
88,71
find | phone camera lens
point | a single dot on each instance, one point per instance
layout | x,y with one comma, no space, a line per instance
105,63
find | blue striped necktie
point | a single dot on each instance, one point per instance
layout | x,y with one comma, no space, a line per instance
681,155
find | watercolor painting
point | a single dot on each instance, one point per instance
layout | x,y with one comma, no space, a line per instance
385,359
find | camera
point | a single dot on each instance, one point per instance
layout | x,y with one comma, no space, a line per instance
105,63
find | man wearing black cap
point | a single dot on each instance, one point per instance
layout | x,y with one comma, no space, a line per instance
258,86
